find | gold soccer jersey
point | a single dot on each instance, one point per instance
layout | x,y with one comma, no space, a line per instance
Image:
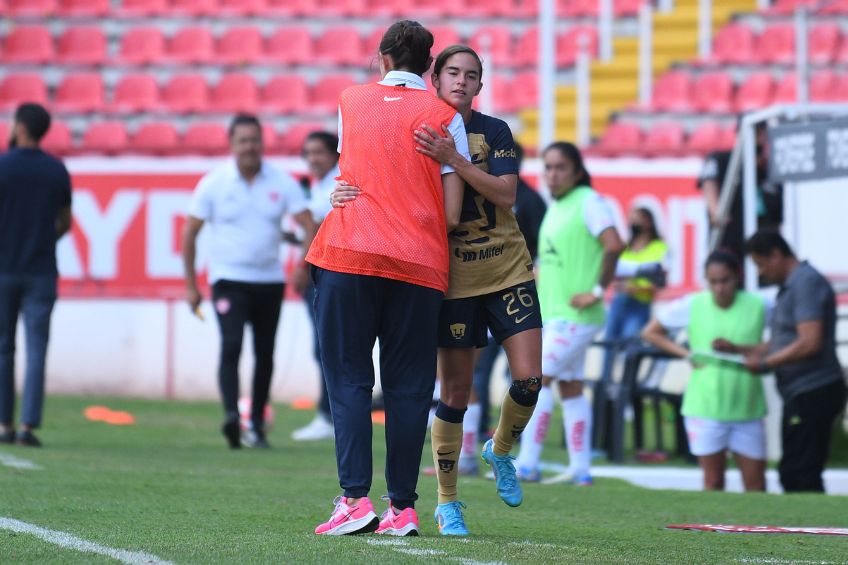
487,250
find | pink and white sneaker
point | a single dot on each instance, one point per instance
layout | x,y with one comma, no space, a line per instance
403,524
350,520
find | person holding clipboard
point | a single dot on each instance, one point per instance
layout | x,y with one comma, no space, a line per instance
724,404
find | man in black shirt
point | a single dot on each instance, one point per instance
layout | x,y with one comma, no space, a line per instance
35,211
769,196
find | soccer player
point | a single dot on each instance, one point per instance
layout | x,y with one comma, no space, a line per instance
578,251
491,287
381,271
724,404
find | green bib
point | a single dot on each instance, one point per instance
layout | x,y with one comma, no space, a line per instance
723,391
569,260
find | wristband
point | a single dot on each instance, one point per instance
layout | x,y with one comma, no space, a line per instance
598,291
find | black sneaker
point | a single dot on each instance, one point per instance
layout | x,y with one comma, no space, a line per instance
255,439
230,429
28,439
7,437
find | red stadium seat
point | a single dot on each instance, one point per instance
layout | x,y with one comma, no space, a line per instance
191,45
371,43
82,46
713,92
339,8
142,8
443,36
503,93
109,138
385,8
141,46
16,89
835,7
664,140
207,139
194,8
488,8
786,91
705,139
28,44
186,93
728,138
80,93
239,46
290,8
578,8
241,8
235,93
526,90
824,43
31,8
526,8
292,141
527,48
158,138
59,139
787,7
435,8
284,94
271,142
324,96
733,44
135,93
776,45
494,40
289,46
755,93
672,92
84,8
339,46
823,86
568,44
627,8
620,139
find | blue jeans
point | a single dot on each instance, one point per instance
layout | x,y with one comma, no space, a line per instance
33,297
324,399
627,317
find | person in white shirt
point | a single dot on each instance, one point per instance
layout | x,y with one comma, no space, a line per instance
244,201
322,158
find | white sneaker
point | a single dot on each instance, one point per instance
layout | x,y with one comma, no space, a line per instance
318,428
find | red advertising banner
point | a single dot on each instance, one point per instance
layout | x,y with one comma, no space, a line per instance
125,240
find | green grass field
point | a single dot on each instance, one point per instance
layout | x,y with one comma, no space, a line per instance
167,486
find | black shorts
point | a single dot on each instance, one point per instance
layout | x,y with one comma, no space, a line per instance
463,322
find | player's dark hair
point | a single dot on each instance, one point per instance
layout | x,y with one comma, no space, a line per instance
653,231
329,140
408,43
765,241
35,119
572,153
243,120
726,258
449,52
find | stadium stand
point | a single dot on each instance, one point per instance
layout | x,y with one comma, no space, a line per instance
288,59
109,138
205,138
157,138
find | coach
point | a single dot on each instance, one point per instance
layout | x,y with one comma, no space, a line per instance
802,354
244,202
35,211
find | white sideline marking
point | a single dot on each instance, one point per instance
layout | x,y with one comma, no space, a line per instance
402,546
776,561
18,463
64,539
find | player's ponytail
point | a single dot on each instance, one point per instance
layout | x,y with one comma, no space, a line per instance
408,43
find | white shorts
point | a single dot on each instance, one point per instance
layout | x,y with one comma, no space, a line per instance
564,346
745,437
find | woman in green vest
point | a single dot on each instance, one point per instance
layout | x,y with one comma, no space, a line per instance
578,251
723,405
630,309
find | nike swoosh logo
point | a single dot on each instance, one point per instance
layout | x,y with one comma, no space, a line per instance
521,319
387,99
445,453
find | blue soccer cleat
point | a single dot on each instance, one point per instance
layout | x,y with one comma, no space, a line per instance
449,519
505,480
